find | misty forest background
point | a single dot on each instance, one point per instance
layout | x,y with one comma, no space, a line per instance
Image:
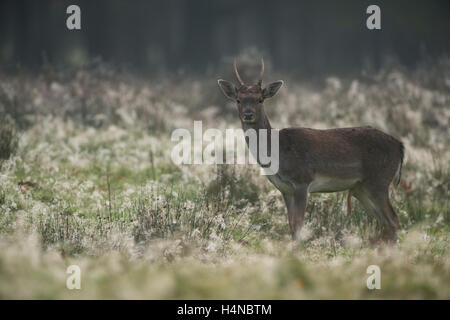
301,38
86,175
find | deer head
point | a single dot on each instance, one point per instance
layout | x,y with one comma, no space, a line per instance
249,98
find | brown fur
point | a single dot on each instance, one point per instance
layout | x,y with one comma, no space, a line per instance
365,156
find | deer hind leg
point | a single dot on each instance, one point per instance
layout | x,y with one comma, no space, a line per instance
376,201
389,233
349,202
296,206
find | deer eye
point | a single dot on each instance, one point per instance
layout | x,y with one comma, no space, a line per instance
261,101
238,101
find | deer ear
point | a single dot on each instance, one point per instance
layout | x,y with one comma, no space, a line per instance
228,89
272,89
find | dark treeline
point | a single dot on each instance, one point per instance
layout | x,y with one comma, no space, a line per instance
300,37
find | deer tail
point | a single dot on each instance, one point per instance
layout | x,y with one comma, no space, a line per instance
402,156
349,203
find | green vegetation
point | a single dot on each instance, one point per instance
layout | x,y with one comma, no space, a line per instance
91,183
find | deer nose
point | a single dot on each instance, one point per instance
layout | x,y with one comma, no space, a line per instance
248,116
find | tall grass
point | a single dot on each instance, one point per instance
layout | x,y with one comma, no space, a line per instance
87,178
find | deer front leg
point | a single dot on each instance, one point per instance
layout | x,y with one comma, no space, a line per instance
296,206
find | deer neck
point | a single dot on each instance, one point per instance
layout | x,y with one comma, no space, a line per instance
262,123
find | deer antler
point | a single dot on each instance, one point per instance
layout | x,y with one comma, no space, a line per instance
237,74
262,72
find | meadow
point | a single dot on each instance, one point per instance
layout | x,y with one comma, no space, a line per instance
86,178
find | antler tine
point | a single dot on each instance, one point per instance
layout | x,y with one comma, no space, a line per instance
237,74
262,72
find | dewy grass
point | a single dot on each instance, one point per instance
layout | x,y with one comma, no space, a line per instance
100,191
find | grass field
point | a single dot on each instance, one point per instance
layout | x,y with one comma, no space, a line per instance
86,179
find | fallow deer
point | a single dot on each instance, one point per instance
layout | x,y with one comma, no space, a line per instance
363,160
